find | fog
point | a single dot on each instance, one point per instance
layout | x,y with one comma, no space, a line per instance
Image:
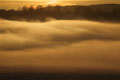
59,46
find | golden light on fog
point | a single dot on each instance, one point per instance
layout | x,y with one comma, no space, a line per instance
54,47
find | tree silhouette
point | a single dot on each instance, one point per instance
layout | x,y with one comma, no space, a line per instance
61,13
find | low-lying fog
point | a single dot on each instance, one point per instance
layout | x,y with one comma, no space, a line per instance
59,46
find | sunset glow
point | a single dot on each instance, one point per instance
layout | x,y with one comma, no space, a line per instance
51,2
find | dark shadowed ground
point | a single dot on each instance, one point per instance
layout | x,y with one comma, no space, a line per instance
53,76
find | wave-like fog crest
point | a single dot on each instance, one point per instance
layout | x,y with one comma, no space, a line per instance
22,35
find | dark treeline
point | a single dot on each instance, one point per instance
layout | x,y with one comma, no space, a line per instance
73,12
53,76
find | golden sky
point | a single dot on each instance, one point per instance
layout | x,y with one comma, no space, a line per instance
8,4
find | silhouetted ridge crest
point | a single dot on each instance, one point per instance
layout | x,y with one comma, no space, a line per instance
103,12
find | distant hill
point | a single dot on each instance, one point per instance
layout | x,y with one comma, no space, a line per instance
101,12
105,7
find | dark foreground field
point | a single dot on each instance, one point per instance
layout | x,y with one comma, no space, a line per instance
39,76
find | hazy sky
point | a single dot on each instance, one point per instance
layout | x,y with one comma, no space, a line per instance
8,4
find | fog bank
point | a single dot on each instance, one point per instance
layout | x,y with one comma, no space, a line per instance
59,46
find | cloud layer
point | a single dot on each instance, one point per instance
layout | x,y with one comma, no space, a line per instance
23,35
59,46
